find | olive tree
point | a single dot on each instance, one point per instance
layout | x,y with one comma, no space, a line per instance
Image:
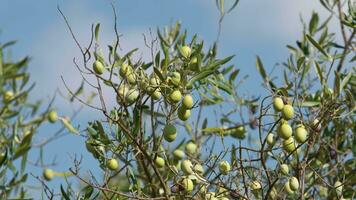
180,129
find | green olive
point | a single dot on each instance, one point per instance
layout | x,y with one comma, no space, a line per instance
156,95
191,148
288,189
169,133
301,134
112,164
188,101
175,96
294,183
186,51
289,145
270,139
178,154
187,167
48,174
224,167
278,104
239,132
160,162
198,168
125,69
284,169
183,113
8,96
132,96
285,131
187,184
52,116
98,67
338,187
255,185
288,112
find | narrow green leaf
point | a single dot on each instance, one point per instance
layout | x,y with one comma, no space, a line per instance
97,29
317,45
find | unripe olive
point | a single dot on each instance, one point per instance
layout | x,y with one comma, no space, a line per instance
98,67
125,69
224,167
187,167
174,78
288,189
288,112
2,156
175,96
278,104
255,185
188,101
132,96
156,95
155,82
191,148
323,191
112,164
193,64
300,134
186,51
8,96
285,131
284,169
289,144
131,78
48,174
160,162
239,132
273,193
183,113
169,133
122,91
210,196
187,184
270,139
52,116
178,154
338,187
198,168
294,183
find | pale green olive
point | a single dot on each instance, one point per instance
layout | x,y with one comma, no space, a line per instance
224,167
191,148
294,183
112,164
98,67
278,104
48,174
289,145
187,167
178,154
288,112
183,113
285,131
301,134
188,101
175,96
187,184
186,51
160,162
284,169
52,116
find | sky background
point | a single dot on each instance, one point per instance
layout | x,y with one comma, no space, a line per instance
255,27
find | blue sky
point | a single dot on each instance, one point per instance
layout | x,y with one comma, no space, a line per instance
255,27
